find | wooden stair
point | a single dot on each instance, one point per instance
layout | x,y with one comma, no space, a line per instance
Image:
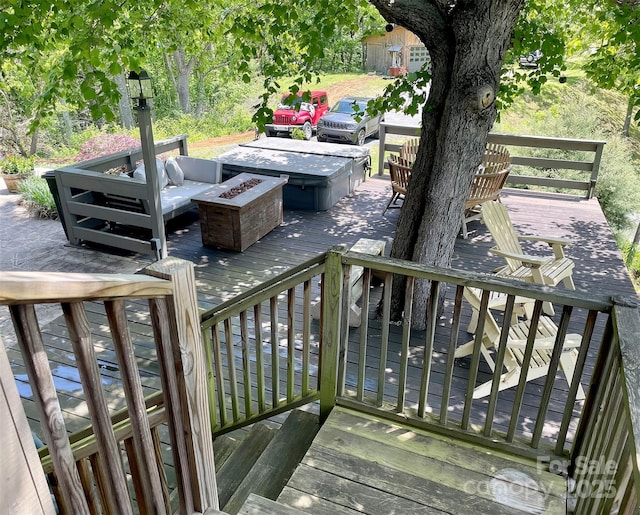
261,464
257,505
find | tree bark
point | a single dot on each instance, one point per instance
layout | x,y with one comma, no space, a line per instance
627,119
126,113
184,67
466,42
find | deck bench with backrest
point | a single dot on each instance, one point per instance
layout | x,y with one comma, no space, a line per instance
114,209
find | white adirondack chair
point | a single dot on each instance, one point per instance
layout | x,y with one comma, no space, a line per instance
549,270
542,270
546,333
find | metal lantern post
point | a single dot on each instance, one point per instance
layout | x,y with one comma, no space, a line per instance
141,93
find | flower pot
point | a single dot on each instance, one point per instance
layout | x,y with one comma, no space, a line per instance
12,181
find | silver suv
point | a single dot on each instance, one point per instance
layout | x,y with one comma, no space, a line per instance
348,123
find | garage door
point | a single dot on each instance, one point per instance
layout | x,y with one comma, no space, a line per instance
418,55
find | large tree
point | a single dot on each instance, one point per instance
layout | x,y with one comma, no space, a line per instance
467,42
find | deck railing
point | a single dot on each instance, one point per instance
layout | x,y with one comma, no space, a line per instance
605,458
117,464
251,338
411,376
587,166
267,354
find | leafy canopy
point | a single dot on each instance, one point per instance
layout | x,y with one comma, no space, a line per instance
76,47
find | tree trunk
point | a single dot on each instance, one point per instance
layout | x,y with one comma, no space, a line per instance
184,68
627,118
126,113
200,95
68,128
172,78
467,47
33,146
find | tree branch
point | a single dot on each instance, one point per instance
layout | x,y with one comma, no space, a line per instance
433,23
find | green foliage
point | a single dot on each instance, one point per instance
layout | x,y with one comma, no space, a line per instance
541,27
37,197
631,256
209,126
289,39
343,50
618,186
609,38
17,165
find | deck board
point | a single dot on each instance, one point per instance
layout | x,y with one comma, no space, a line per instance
374,466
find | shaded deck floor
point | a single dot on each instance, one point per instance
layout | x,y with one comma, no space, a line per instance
359,463
223,274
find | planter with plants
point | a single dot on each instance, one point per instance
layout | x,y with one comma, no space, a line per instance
14,169
37,198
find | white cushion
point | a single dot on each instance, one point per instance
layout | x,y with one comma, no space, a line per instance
174,172
163,179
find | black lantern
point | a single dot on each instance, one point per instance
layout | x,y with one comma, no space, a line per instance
139,85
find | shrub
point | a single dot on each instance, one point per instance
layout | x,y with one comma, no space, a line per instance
105,144
37,198
631,255
618,186
17,165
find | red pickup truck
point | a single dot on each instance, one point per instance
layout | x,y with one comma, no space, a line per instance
301,111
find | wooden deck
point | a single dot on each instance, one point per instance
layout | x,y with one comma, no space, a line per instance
304,234
361,464
223,274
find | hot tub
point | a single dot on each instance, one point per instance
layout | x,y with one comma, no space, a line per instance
317,180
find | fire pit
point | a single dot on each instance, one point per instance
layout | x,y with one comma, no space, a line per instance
238,212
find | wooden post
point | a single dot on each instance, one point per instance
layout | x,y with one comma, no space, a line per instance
331,330
159,241
626,322
189,356
596,168
382,137
36,362
23,484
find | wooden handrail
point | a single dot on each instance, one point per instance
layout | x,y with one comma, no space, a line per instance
48,287
94,460
411,127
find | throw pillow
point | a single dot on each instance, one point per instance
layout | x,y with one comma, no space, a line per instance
163,179
175,173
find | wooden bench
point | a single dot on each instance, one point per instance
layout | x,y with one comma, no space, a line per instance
119,211
362,246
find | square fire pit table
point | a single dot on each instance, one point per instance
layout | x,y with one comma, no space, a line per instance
238,212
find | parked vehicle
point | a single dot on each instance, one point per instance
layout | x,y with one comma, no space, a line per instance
301,111
530,60
348,121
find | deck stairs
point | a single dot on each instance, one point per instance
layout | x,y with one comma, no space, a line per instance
256,464
359,463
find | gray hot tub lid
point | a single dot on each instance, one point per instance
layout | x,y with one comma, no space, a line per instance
293,164
309,147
